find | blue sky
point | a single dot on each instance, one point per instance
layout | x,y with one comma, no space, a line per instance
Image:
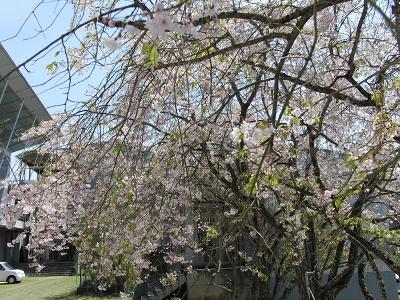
21,47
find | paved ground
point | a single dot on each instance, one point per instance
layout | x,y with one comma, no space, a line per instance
45,288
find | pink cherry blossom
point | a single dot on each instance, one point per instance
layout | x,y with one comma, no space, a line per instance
111,43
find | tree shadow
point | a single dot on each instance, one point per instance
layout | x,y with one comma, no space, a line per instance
74,296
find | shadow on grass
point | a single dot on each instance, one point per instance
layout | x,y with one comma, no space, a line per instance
75,296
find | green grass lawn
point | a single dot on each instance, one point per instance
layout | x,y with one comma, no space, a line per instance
45,288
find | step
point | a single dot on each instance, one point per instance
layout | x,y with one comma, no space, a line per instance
50,268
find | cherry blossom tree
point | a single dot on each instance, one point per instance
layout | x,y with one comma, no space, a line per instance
270,121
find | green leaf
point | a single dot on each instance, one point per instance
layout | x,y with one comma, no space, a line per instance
263,277
153,55
145,48
200,51
350,163
353,221
262,125
295,121
288,111
338,202
150,51
362,175
377,97
251,187
244,152
271,180
211,233
118,149
222,58
52,67
397,83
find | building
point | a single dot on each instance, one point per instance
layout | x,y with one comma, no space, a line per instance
218,273
20,109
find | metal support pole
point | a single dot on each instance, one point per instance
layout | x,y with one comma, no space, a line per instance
26,145
12,133
309,290
4,91
14,126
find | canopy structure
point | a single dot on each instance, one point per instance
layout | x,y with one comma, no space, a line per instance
34,160
20,108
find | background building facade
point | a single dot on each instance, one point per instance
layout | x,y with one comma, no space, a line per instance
20,109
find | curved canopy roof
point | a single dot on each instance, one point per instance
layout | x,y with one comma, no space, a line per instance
20,108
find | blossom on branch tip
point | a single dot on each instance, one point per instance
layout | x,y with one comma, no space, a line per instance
252,135
262,133
107,21
160,24
4,184
131,29
236,134
189,28
329,193
231,212
210,12
111,43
